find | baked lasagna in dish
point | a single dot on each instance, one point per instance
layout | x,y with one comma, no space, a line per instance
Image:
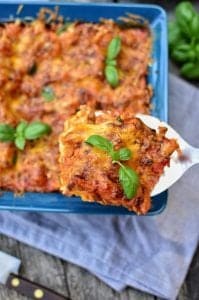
48,70
69,62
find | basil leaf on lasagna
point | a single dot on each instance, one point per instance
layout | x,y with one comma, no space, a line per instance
21,128
100,142
129,181
7,133
36,130
111,74
20,142
114,48
111,62
124,154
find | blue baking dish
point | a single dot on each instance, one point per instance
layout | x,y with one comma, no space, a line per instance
158,73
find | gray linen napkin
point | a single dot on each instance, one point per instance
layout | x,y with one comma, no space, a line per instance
129,250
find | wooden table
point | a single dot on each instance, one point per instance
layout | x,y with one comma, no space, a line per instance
74,281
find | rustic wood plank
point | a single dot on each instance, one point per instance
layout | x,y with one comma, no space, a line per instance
43,268
6,294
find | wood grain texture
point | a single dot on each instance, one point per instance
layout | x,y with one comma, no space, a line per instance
74,281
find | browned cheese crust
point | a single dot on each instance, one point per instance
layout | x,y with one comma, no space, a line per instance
89,172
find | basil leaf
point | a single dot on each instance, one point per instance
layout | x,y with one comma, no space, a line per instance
7,133
100,142
36,130
194,26
121,154
124,154
129,181
20,131
111,74
114,48
111,62
63,28
190,70
185,11
21,128
48,93
20,142
174,34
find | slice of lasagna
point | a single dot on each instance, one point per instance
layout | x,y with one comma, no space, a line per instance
91,173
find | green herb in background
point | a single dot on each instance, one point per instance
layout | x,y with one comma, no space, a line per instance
184,40
127,176
24,131
111,71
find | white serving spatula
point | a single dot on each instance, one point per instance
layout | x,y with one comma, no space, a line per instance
178,164
9,267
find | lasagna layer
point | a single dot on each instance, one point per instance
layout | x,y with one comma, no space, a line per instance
90,173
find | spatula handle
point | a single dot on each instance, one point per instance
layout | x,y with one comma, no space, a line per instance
31,289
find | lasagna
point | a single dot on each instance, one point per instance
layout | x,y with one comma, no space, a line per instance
69,61
90,173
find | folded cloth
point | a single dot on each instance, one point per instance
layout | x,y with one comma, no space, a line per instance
152,254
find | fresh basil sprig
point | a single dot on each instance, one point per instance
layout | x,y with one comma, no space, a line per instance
111,71
127,176
23,132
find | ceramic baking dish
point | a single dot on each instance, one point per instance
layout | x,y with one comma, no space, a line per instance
158,73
